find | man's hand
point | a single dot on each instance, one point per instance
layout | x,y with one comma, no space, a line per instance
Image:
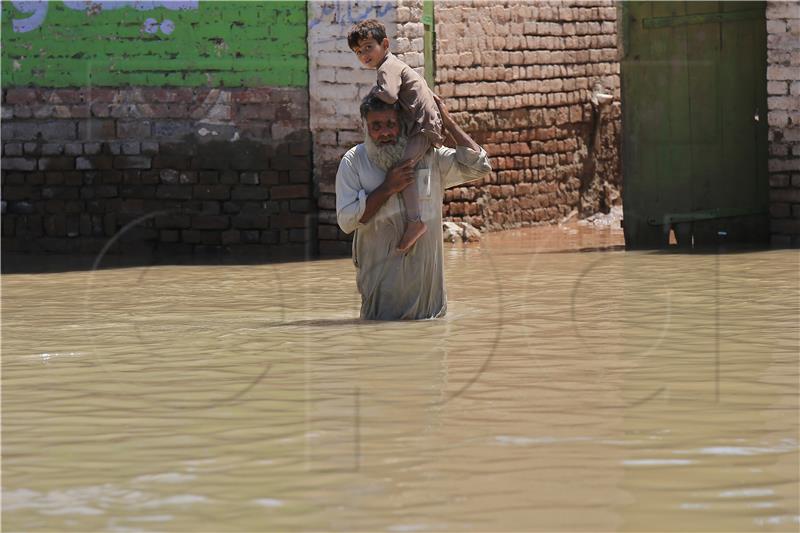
459,136
447,120
399,177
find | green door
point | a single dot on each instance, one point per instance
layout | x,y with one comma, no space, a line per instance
429,42
694,123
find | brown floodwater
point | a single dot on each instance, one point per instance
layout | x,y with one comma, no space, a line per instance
573,386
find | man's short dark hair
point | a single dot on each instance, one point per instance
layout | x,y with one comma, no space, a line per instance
364,30
372,103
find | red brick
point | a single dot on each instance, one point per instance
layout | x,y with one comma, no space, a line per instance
200,237
254,95
54,178
251,221
133,161
174,192
212,192
98,162
269,177
18,163
94,129
22,111
328,232
21,95
65,96
789,226
165,111
167,95
173,220
100,109
100,94
133,129
791,196
334,248
169,235
282,192
208,177
211,222
256,112
780,210
55,225
289,220
56,163
249,192
269,237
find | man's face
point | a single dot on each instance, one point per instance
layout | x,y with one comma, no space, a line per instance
383,127
370,52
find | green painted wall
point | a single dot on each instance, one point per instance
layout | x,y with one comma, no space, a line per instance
231,44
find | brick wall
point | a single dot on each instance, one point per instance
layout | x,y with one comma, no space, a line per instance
170,127
517,76
783,100
180,169
408,44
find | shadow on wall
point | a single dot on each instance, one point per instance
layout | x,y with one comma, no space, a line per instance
181,196
596,195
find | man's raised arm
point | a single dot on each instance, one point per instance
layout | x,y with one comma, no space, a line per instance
468,162
459,136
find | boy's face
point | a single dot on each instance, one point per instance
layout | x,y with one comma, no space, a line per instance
370,52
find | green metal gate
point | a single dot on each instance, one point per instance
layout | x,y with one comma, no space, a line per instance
694,123
429,42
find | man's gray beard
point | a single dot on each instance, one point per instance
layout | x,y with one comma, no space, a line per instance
385,156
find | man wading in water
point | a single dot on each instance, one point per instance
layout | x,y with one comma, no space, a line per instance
394,285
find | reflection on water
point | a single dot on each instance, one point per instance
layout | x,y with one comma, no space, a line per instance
564,391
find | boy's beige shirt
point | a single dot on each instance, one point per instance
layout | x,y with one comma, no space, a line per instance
397,82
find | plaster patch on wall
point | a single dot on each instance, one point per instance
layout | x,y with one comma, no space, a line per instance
344,15
38,8
215,109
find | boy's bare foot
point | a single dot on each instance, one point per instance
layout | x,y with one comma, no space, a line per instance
414,230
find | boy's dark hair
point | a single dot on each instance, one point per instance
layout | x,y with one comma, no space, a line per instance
365,29
373,103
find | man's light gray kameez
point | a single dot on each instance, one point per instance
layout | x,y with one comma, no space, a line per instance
394,286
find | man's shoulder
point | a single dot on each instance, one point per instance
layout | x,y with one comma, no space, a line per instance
354,152
353,155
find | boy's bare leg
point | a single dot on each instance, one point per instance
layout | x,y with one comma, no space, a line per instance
416,148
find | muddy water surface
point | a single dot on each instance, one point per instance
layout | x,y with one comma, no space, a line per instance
565,390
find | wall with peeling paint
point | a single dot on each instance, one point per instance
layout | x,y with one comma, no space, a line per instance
160,127
152,43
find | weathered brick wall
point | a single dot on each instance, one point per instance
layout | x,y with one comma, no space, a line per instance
518,77
188,169
783,100
408,45
174,127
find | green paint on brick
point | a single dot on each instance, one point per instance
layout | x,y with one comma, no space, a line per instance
230,44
